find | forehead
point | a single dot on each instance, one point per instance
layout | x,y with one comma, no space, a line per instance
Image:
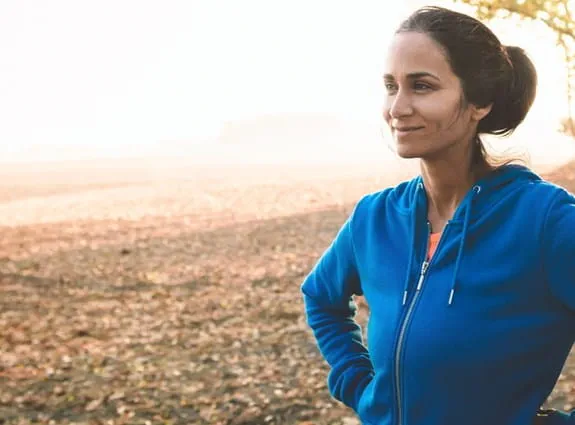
413,52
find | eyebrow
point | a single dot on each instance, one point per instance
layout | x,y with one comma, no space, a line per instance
413,76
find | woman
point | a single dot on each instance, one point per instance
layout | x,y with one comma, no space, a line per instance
468,269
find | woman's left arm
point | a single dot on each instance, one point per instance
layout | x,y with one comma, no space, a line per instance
559,262
559,247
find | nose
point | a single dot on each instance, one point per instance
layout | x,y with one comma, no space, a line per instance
399,105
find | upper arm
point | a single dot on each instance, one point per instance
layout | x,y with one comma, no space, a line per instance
559,247
335,278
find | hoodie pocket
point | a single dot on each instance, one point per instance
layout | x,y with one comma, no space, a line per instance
370,408
361,405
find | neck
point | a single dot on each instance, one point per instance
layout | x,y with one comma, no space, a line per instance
447,180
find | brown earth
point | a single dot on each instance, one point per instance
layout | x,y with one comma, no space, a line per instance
173,301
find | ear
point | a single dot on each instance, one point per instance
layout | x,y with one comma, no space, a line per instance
478,113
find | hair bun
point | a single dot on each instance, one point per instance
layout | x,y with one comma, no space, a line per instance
514,99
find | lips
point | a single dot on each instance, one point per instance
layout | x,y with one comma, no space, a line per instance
407,129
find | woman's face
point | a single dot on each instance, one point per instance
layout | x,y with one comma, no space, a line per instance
424,102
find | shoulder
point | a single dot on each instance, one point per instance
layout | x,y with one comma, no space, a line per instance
527,186
549,205
549,194
560,205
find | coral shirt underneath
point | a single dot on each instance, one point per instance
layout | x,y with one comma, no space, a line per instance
433,241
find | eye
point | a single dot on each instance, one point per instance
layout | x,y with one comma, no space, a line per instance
420,86
390,87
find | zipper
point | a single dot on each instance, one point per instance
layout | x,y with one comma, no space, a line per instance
422,274
402,336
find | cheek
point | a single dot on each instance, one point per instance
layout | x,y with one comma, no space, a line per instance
385,110
443,115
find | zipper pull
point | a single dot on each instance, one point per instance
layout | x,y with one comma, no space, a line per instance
422,275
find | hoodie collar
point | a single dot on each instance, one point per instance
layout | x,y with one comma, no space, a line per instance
477,201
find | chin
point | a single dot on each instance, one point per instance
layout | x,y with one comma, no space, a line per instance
407,152
408,155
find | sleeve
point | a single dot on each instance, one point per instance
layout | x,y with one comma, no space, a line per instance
330,312
559,248
554,417
559,263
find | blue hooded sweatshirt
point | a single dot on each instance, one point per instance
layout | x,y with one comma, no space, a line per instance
478,335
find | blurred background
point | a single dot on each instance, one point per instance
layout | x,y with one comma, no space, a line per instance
170,171
219,81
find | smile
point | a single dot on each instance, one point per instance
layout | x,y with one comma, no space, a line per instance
406,129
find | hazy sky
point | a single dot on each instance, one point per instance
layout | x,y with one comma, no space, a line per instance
81,78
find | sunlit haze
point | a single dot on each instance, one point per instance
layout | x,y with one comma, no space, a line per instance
218,80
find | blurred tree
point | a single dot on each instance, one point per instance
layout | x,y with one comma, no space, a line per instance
557,15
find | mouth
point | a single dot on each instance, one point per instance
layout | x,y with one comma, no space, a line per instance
406,129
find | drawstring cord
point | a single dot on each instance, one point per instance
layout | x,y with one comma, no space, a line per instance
475,190
412,244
